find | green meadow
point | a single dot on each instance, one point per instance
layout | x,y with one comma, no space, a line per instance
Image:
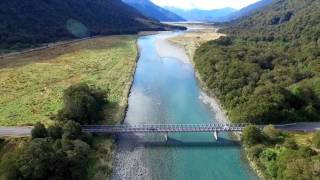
32,84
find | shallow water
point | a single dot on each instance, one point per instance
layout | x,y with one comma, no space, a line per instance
165,90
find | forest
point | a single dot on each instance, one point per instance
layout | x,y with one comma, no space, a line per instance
25,24
267,67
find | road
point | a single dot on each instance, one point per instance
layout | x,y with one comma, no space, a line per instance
15,131
299,127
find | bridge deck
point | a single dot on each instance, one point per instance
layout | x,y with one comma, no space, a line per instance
164,128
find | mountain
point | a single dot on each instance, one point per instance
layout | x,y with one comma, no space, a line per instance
27,23
149,9
248,10
267,70
202,15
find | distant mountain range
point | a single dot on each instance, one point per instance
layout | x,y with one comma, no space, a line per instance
247,11
149,9
219,15
27,23
202,15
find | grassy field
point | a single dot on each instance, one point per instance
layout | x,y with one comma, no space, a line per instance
32,84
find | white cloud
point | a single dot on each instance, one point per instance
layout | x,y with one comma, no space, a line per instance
205,4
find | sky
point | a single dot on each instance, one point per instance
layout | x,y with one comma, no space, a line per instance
204,4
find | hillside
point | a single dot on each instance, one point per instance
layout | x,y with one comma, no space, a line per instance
149,9
202,15
27,23
268,68
247,11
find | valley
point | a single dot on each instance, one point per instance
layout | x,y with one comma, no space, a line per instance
125,89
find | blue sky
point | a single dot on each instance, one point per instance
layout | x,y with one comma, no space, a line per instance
204,4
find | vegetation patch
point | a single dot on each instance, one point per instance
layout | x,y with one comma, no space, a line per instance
63,151
265,72
278,156
32,84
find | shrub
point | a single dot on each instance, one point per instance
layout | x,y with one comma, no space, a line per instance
252,135
306,151
8,166
72,130
290,144
55,132
272,134
39,131
256,150
82,104
316,139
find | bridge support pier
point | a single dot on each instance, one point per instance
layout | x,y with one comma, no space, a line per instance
166,137
215,135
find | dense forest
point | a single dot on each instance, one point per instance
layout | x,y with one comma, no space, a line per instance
26,23
267,68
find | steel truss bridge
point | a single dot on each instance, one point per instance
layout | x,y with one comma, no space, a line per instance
164,128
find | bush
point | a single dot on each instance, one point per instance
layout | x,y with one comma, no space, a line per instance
306,152
39,131
272,134
316,140
36,160
252,135
82,104
256,150
290,144
72,130
8,166
55,132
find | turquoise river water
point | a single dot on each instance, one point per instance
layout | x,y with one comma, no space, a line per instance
165,90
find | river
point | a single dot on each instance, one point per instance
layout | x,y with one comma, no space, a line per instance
165,90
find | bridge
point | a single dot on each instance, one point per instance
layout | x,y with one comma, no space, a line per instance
164,128
168,128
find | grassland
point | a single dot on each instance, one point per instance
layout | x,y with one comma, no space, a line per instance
32,84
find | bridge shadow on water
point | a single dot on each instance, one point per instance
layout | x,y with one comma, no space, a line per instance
222,143
134,141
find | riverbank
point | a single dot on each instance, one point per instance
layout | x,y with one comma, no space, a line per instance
190,41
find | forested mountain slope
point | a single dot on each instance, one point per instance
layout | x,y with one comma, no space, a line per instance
25,23
267,70
248,10
149,9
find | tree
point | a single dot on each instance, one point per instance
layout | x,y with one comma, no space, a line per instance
316,139
36,160
256,150
55,132
251,135
82,104
71,130
39,131
8,165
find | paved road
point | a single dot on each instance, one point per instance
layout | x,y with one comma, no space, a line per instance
15,131
300,127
